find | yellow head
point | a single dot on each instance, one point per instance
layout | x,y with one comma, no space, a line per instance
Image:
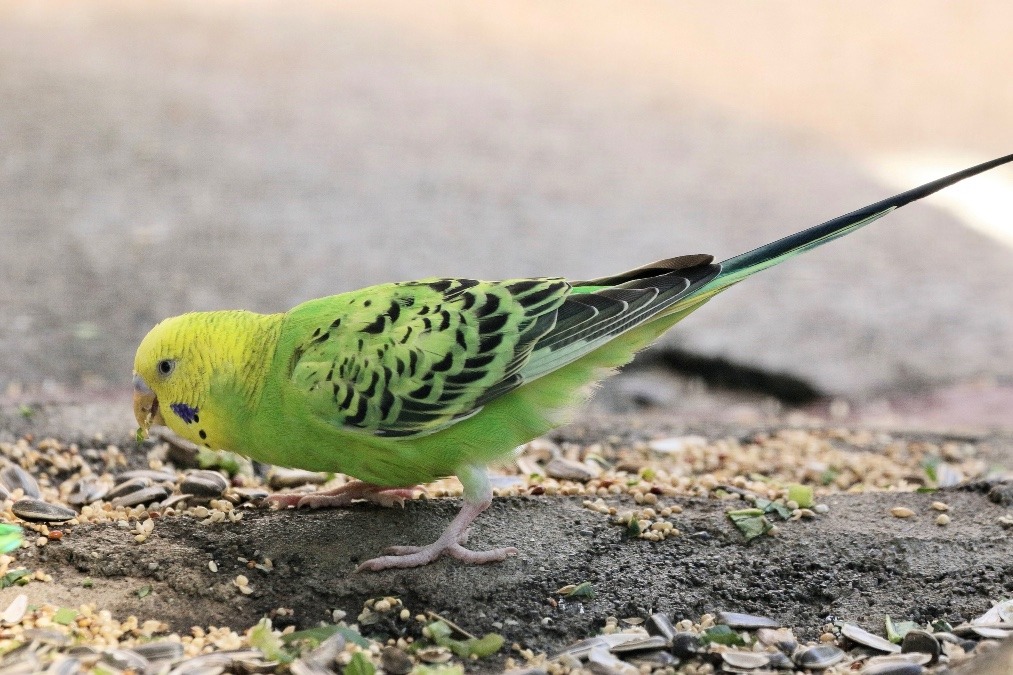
189,369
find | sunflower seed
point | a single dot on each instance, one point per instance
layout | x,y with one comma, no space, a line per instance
64,665
782,638
125,659
150,474
251,495
172,500
745,621
38,511
13,477
160,650
818,658
48,636
779,661
21,660
207,484
654,660
128,487
280,478
686,645
155,493
921,641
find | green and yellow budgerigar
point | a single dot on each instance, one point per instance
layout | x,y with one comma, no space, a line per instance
403,383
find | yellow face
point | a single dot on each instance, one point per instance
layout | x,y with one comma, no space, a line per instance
195,372
171,374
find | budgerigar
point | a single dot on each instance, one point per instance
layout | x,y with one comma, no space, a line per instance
403,383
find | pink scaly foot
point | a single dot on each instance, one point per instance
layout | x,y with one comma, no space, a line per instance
343,496
477,497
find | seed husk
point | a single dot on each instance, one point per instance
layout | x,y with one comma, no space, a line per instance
659,623
891,665
307,666
565,469
865,638
652,643
86,491
601,660
16,610
748,660
395,661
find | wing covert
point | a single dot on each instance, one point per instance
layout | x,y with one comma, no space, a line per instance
412,358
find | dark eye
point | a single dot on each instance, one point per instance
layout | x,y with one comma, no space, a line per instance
165,367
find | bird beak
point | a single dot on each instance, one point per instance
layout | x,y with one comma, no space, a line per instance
146,410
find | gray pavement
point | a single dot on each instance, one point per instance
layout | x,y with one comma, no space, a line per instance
189,155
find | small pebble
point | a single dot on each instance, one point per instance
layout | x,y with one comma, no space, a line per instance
942,519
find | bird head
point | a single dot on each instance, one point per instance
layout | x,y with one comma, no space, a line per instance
194,372
171,368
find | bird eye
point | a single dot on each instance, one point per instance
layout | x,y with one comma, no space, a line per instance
165,367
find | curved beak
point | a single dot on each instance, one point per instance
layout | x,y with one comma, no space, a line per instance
146,410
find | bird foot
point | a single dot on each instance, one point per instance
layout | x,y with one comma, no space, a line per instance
417,556
344,496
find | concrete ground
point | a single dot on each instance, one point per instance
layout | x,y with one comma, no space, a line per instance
190,155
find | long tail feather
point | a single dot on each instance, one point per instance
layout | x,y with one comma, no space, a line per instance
738,268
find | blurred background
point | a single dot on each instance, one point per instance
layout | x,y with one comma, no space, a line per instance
182,155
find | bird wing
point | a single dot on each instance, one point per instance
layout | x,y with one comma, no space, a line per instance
409,359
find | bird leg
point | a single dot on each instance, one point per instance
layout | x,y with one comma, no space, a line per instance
343,496
477,497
